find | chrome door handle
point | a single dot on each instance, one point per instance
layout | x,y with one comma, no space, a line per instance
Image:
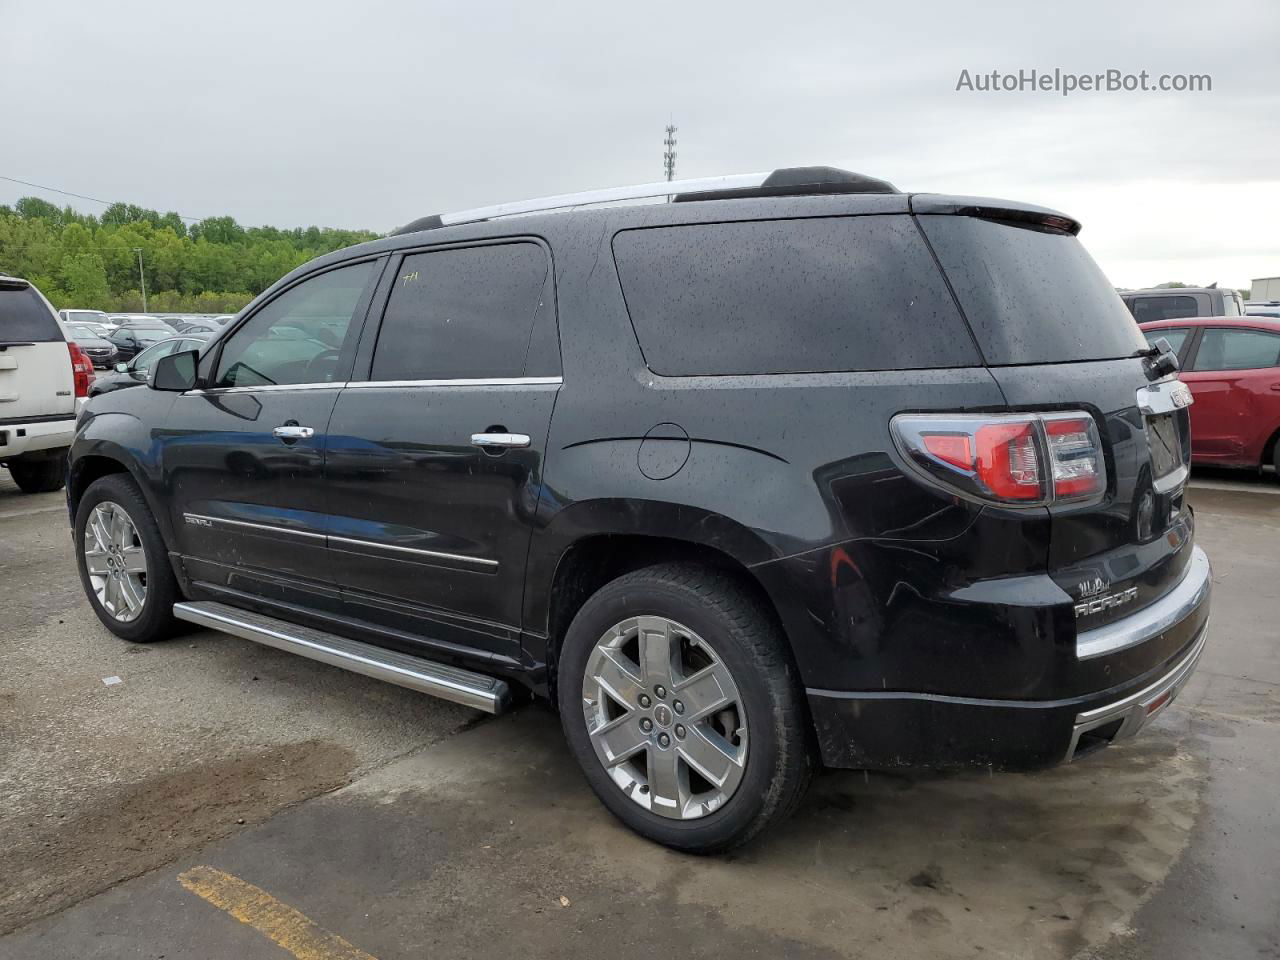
503,440
291,431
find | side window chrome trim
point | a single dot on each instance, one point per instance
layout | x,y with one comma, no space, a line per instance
267,388
462,382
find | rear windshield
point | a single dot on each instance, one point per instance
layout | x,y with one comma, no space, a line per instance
789,296
1031,295
24,318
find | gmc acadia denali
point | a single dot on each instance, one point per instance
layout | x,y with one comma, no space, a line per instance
780,470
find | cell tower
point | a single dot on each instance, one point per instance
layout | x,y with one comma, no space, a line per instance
669,157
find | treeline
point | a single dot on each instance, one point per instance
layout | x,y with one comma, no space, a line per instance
214,266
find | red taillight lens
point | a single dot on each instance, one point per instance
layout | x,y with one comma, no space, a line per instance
81,369
1025,459
1008,463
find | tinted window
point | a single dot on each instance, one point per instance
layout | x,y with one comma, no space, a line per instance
1031,295
477,312
1222,349
1146,309
789,296
1176,337
26,318
298,336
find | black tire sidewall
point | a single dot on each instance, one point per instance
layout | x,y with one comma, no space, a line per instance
44,475
156,621
740,818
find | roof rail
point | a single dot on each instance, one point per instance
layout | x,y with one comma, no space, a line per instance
789,181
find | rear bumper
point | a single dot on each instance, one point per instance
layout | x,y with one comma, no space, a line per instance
885,730
27,436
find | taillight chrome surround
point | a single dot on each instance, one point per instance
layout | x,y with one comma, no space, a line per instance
1014,459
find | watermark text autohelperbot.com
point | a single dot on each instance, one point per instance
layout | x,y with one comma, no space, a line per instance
1065,83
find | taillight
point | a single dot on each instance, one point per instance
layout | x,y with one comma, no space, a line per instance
1029,459
81,369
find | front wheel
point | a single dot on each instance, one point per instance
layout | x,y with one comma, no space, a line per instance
123,562
680,702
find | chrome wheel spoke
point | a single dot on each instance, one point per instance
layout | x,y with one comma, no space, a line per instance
668,782
96,562
711,755
706,691
655,649
619,740
132,594
615,675
135,561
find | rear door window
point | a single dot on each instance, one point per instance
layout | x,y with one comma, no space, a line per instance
1177,337
1147,309
1226,349
25,318
469,313
789,296
1030,294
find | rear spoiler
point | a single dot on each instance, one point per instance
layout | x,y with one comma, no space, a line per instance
13,283
1006,211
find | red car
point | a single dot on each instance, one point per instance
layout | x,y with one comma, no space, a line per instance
1232,365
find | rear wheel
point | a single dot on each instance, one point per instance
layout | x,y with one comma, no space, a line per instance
42,474
681,705
123,562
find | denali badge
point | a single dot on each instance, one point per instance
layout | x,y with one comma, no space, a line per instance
1096,604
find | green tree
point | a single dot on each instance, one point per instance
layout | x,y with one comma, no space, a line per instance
84,279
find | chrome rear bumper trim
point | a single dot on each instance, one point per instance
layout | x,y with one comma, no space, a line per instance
1153,619
470,689
1137,709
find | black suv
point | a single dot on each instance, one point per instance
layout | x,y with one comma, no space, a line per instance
781,470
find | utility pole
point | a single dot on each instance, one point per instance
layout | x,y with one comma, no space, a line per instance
669,157
141,278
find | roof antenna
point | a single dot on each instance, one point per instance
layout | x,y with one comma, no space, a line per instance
669,157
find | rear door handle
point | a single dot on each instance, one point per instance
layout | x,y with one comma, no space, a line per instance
1276,387
500,440
291,431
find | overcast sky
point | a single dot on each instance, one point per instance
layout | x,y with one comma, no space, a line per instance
370,114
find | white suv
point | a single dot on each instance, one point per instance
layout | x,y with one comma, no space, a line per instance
42,380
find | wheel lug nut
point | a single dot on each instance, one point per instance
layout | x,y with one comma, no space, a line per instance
680,731
646,725
664,740
660,691
677,706
644,700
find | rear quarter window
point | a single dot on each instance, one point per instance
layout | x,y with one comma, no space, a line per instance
1032,295
789,296
25,317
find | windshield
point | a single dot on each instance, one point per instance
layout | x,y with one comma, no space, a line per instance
1031,295
82,333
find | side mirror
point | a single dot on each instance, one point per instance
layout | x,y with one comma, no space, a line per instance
122,368
175,373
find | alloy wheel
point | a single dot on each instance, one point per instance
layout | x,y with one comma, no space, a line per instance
665,717
115,561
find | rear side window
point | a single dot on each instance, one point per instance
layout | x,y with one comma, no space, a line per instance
1231,305
789,296
1222,349
1147,309
1031,295
24,317
469,313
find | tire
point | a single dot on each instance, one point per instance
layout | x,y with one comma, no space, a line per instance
153,619
1275,459
716,625
39,475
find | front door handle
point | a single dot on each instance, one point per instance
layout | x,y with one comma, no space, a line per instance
291,431
504,441
1276,387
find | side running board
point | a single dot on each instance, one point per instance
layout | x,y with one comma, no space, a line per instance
470,689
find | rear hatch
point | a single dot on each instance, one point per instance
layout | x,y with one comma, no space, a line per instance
1057,337
36,380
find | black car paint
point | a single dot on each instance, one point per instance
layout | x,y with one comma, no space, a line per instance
938,629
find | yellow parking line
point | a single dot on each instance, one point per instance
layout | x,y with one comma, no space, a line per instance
253,906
